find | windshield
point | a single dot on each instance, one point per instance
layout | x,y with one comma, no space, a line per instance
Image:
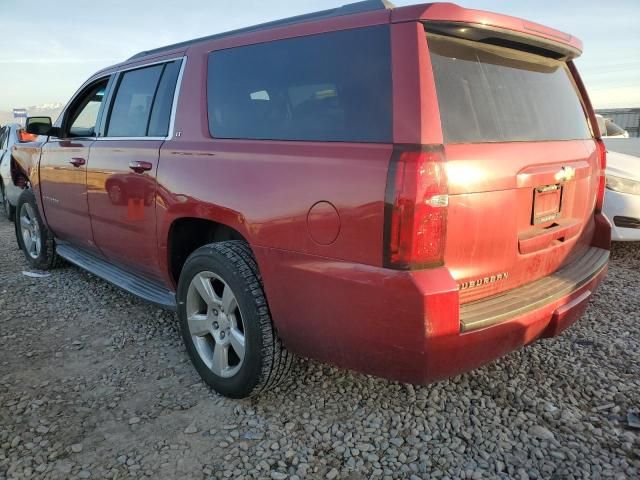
488,93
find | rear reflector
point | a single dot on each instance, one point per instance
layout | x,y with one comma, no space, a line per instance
602,160
416,204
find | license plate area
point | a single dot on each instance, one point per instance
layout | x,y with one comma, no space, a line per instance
547,203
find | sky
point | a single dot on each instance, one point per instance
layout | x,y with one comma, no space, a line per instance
47,53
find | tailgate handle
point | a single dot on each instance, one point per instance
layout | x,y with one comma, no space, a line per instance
537,239
140,167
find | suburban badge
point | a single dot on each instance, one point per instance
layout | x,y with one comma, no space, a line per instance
479,282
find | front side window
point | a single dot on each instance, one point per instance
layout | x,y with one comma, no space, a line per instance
488,93
329,87
83,115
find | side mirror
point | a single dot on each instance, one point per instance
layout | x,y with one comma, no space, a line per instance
38,125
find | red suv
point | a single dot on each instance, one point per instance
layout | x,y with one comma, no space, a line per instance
380,188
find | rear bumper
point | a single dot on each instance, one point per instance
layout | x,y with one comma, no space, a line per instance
403,325
453,354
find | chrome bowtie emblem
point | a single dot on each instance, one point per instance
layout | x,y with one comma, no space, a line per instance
566,174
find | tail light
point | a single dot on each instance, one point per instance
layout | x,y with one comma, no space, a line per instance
416,204
23,136
602,160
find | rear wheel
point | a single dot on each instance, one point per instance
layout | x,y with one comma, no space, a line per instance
9,210
225,321
34,238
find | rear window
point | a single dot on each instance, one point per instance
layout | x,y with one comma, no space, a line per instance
488,93
329,87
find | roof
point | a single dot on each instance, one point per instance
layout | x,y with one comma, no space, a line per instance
349,9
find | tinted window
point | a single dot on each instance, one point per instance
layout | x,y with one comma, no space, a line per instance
330,87
161,112
131,108
494,94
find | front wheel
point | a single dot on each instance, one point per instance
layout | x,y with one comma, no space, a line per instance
34,238
225,321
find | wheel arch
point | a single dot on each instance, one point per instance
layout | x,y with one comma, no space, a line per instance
187,234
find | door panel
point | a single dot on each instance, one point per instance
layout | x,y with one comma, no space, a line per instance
64,192
63,167
121,176
121,195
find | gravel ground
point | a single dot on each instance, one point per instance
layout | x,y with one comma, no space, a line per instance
96,384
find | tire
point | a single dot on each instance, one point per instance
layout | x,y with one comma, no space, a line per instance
9,210
261,362
40,251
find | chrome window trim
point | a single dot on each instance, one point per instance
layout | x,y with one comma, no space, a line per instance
174,103
111,139
176,96
151,64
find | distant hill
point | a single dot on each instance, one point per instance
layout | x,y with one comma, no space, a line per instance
46,110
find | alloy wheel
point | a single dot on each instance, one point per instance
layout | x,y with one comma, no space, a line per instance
215,324
30,229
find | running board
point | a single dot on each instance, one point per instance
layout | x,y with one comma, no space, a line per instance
135,284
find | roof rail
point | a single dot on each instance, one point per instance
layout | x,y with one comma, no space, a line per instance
349,9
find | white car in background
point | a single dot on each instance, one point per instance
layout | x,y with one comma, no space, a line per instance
8,137
609,129
9,192
622,196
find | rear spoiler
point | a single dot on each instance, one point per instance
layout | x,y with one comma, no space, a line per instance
450,19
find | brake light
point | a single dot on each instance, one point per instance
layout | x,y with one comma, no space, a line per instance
602,160
416,204
23,136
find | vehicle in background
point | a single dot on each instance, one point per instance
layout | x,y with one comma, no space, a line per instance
609,129
617,139
375,187
622,196
11,183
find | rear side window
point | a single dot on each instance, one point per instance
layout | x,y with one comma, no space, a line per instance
329,87
488,93
161,112
143,101
132,105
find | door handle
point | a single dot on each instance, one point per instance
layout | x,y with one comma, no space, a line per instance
77,161
140,167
